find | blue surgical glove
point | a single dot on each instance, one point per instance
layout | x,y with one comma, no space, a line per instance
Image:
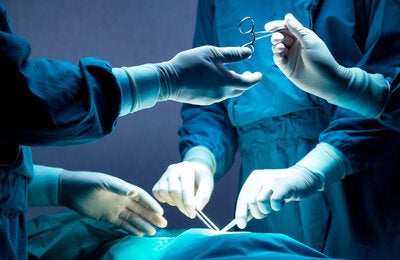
195,76
98,196
306,60
268,190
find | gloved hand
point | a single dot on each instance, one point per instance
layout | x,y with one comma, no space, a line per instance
306,60
187,185
110,199
96,195
268,190
195,76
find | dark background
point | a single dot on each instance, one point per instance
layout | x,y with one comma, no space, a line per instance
125,33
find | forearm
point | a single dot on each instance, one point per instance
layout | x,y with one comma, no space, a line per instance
57,103
364,141
390,117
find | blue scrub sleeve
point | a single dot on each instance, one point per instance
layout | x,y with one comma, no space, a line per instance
46,101
209,126
363,141
391,115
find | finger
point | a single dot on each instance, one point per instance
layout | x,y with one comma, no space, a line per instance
244,81
175,192
156,191
130,229
279,49
231,54
254,210
277,38
204,191
147,201
162,193
236,90
273,25
279,198
134,207
241,212
296,28
283,39
157,220
251,78
187,187
137,222
252,202
263,201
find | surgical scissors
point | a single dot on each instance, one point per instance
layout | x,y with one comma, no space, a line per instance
246,26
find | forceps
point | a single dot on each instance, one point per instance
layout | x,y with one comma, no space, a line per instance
246,26
206,220
233,223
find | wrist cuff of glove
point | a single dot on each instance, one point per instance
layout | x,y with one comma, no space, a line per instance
328,163
126,90
44,188
145,84
202,155
366,93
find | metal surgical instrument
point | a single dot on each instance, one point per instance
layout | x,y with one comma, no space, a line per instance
246,26
206,220
233,223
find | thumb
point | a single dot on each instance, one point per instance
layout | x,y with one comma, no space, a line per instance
279,197
297,29
244,81
232,54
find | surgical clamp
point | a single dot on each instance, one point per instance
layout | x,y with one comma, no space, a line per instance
246,26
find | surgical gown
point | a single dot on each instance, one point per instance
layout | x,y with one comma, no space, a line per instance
390,116
275,124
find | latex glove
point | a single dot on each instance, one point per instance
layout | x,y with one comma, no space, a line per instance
187,185
198,76
195,76
268,190
306,60
110,199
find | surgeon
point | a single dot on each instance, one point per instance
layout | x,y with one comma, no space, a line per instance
52,102
282,132
306,60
